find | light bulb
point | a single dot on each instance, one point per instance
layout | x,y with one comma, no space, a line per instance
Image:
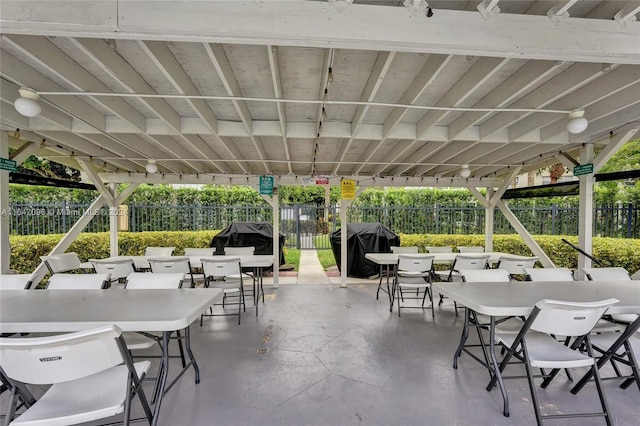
465,172
577,123
27,104
152,167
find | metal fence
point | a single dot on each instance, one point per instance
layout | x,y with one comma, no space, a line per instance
302,223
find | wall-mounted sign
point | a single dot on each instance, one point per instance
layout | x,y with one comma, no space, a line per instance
348,187
322,180
583,169
6,164
266,185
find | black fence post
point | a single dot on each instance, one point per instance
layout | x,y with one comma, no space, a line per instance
629,220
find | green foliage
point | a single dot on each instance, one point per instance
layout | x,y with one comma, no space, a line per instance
26,250
610,251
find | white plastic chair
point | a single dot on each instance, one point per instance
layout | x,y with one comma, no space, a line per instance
64,262
471,249
78,281
611,274
466,262
151,281
225,273
91,373
118,268
606,274
174,264
159,251
239,251
549,274
412,273
404,250
516,266
208,251
564,275
439,249
538,349
617,350
15,281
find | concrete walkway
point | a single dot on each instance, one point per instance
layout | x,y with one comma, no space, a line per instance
310,270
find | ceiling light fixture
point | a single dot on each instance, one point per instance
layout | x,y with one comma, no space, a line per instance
416,7
27,104
577,123
340,5
465,171
151,166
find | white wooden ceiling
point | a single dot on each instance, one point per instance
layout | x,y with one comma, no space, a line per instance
238,87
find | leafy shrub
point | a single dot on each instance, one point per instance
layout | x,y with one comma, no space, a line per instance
26,250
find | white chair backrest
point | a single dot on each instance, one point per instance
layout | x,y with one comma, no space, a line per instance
470,262
408,249
118,268
209,251
569,318
61,262
62,357
471,249
409,263
607,274
485,275
516,266
159,251
636,276
169,266
439,249
549,274
239,251
221,268
78,281
15,281
151,281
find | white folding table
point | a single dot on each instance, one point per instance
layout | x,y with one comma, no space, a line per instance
166,311
517,298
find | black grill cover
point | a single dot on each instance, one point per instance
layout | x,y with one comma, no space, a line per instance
363,238
243,234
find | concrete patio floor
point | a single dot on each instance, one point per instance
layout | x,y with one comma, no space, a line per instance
325,355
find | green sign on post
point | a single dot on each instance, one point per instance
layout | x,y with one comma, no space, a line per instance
583,169
266,185
6,164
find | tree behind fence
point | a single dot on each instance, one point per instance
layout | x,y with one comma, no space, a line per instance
622,221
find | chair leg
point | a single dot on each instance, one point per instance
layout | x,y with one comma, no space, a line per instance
532,386
596,376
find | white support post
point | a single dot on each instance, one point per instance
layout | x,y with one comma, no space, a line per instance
327,202
274,202
344,204
113,222
70,237
585,211
524,234
488,222
5,249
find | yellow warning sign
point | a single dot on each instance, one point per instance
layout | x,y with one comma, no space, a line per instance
348,189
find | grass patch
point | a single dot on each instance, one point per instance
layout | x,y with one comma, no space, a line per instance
292,257
326,258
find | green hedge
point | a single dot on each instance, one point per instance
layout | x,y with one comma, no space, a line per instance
611,251
26,250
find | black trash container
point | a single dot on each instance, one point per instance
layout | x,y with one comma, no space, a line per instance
363,238
244,234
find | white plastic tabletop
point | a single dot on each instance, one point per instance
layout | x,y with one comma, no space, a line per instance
74,310
519,297
392,258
